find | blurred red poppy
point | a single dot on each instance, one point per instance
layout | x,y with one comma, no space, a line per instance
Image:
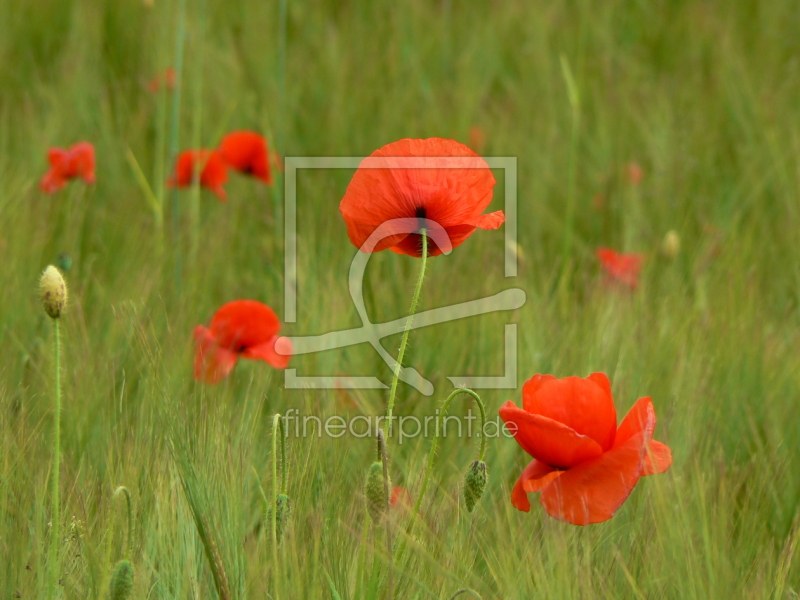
584,465
634,173
66,164
477,139
621,268
400,497
165,78
446,183
246,152
213,171
242,328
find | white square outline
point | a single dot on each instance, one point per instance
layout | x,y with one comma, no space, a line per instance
508,164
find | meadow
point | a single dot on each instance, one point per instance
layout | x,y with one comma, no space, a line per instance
699,98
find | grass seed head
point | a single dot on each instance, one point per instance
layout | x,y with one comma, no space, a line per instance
53,292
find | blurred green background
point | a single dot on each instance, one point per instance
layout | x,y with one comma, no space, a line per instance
701,95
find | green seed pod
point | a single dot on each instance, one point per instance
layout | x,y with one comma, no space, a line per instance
475,483
122,581
375,492
53,292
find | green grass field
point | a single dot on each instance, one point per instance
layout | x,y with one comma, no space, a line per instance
704,95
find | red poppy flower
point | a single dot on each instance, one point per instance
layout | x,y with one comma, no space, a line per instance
165,78
246,151
213,171
76,161
621,268
446,183
584,465
242,328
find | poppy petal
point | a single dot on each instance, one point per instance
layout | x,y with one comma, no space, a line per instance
541,477
592,491
547,440
268,352
583,405
212,363
488,221
640,418
658,458
519,497
52,182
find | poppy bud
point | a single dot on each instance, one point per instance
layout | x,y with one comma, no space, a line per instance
122,581
284,513
475,483
375,492
53,291
671,244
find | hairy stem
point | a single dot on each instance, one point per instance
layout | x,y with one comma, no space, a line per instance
406,330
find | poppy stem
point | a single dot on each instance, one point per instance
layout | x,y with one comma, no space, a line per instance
406,330
383,457
435,443
277,430
123,490
54,517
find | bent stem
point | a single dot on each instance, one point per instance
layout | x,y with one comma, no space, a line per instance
55,518
406,330
434,446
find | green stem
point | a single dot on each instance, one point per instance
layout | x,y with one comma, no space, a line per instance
382,456
406,331
123,490
55,517
174,136
435,444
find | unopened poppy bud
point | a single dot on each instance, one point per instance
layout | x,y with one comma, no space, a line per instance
375,492
475,483
671,244
122,581
284,512
53,291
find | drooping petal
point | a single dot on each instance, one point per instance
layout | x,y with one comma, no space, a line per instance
592,491
547,440
657,459
583,405
212,363
268,352
519,497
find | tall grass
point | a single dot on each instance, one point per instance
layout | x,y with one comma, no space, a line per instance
704,96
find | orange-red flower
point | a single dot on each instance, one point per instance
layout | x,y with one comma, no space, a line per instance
66,164
584,465
212,169
246,151
436,179
242,328
165,78
621,268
